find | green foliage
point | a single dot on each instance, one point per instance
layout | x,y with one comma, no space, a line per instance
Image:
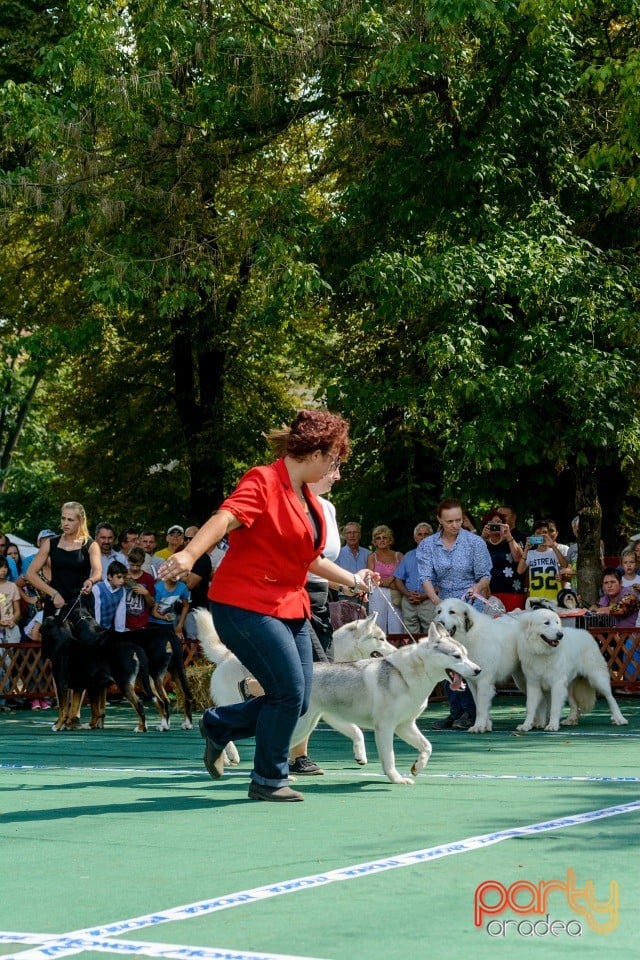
421,213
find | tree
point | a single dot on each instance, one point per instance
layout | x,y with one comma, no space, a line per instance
487,316
161,159
417,209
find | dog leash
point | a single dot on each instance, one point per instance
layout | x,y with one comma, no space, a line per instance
71,608
394,609
492,604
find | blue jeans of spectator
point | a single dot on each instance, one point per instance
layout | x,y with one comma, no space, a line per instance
278,654
461,701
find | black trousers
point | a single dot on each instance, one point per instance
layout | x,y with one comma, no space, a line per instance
320,622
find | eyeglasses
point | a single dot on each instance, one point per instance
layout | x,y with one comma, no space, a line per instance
187,539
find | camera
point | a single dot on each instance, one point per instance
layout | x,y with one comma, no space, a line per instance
536,541
494,527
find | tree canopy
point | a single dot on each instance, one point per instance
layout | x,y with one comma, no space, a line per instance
421,215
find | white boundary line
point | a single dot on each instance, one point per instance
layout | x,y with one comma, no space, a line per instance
99,938
329,774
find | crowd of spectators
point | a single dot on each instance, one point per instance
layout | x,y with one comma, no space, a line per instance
519,565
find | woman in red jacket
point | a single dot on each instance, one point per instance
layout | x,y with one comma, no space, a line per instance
259,603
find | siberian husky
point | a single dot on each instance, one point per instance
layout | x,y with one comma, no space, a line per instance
355,641
387,695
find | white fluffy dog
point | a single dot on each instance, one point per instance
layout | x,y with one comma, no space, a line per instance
560,664
358,640
492,644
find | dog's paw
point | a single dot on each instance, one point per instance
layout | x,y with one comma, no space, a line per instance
186,725
396,777
621,722
523,727
552,726
361,760
481,727
232,755
162,726
569,722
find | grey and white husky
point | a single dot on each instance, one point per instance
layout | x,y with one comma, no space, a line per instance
387,695
353,641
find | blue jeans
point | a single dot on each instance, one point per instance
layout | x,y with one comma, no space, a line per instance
461,701
278,654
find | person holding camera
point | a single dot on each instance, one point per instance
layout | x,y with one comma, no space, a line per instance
506,553
546,564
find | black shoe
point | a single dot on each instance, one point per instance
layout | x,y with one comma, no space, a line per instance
213,758
445,724
305,767
463,722
258,791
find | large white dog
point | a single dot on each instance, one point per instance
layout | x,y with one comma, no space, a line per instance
492,644
354,641
387,695
560,664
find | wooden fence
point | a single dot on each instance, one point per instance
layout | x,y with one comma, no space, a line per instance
23,673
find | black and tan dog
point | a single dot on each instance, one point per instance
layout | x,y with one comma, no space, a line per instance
85,657
164,654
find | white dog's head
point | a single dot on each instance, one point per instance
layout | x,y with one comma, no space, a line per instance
543,630
456,616
361,639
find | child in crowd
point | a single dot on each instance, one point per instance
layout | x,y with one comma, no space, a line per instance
9,606
140,591
32,632
629,567
9,616
546,564
171,605
109,598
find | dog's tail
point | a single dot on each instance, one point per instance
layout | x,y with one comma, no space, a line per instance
212,646
582,694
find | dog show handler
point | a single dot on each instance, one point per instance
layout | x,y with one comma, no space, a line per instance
260,607
74,558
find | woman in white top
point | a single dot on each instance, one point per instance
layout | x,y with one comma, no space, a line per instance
317,588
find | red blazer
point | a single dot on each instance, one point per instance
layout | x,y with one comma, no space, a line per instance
265,568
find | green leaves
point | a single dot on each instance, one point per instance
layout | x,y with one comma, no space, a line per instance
418,213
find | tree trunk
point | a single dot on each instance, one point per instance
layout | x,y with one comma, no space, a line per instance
590,514
14,430
200,360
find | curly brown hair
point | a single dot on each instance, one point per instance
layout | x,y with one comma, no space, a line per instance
310,431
